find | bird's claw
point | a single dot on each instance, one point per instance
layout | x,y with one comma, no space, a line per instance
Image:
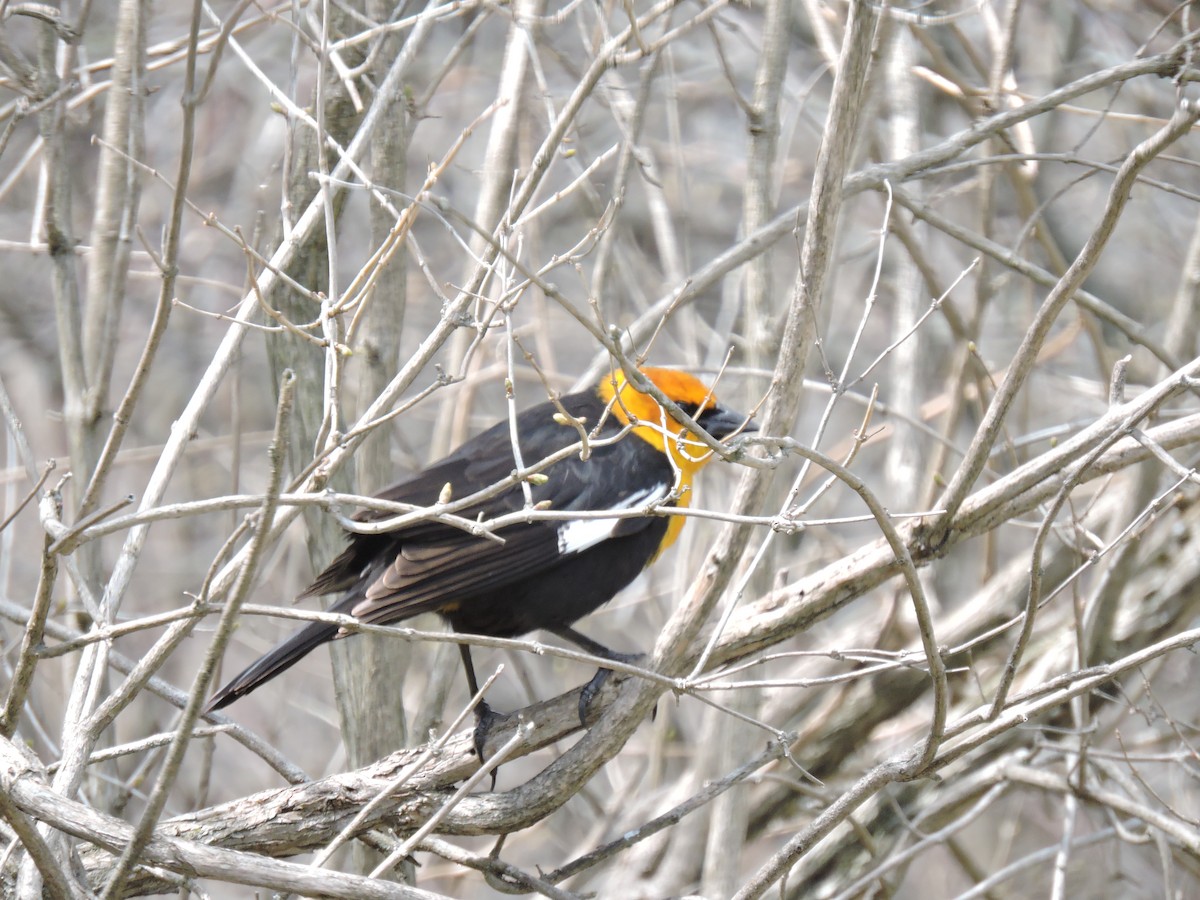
485,719
589,692
592,688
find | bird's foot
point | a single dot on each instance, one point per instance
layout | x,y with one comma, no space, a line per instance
485,719
592,688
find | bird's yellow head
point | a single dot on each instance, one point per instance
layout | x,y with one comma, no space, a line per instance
653,424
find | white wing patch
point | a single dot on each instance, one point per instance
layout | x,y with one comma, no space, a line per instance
580,534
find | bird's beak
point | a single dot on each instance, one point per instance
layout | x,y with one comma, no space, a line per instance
721,422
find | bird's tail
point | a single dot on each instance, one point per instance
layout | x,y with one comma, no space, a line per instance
277,660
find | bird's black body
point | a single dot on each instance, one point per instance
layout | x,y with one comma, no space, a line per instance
545,575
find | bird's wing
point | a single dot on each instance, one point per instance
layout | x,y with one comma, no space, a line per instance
481,462
444,566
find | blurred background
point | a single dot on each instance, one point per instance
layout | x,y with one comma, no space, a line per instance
530,180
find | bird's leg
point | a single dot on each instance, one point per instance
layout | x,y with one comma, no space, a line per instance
592,688
485,716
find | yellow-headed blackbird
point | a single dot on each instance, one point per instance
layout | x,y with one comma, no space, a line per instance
547,573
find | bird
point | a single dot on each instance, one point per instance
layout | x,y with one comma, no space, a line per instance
545,574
